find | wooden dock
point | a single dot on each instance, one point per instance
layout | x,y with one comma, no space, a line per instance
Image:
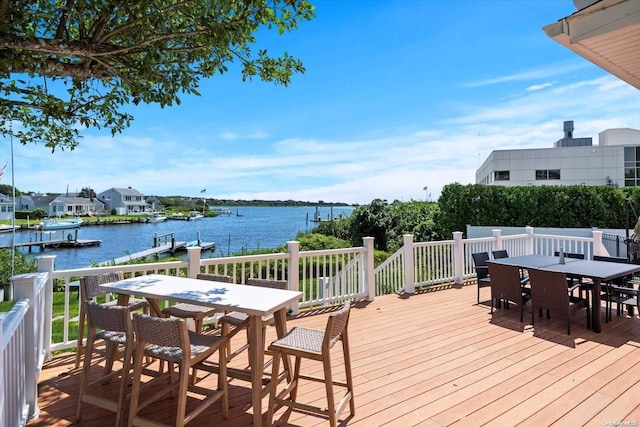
57,243
171,248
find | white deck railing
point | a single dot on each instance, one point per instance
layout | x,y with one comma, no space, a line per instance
417,265
23,331
324,277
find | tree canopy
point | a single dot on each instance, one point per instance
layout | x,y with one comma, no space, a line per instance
73,63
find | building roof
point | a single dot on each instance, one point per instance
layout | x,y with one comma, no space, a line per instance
128,191
606,33
74,200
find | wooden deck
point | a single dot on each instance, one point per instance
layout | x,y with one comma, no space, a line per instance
437,359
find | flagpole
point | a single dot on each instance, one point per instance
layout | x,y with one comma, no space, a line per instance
13,217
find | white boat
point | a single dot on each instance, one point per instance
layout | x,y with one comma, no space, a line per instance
179,216
158,217
60,223
4,228
193,215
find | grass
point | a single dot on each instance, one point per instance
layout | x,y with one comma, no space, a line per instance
6,305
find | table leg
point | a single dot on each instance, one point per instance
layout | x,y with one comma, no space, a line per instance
595,306
154,303
256,356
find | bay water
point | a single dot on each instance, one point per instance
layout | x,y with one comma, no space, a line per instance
248,228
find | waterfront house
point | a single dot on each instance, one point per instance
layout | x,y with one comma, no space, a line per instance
58,205
6,207
125,201
154,204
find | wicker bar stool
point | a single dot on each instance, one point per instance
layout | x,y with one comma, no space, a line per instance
193,311
116,328
316,345
89,290
170,340
236,318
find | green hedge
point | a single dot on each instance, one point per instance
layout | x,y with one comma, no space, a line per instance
574,206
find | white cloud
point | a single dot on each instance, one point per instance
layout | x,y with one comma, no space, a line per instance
388,162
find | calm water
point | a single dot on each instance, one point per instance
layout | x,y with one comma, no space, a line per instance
257,228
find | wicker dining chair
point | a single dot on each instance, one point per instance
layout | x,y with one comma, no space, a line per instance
501,253
169,339
507,285
482,271
622,290
113,324
194,311
549,292
89,289
585,284
315,344
236,318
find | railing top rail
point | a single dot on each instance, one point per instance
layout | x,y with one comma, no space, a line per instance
514,236
244,258
556,237
332,251
13,319
436,243
480,239
120,267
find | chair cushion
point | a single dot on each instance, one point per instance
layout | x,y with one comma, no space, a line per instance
299,338
234,318
184,310
199,343
113,337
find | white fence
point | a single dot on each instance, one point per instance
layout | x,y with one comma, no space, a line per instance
324,277
417,265
23,332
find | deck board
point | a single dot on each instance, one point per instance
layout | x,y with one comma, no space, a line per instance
434,359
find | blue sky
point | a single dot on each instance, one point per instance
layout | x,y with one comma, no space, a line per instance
398,95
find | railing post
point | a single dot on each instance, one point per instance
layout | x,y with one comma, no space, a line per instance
458,257
369,276
193,257
26,286
408,266
497,236
528,250
293,271
46,264
598,246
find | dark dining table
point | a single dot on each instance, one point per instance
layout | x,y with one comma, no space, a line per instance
598,271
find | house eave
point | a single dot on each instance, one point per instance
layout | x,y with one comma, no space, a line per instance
606,33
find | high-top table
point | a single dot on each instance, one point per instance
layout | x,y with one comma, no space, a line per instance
255,301
599,271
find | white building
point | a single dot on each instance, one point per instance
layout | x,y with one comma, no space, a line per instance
571,161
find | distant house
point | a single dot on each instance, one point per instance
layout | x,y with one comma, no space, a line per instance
126,201
154,204
58,205
6,207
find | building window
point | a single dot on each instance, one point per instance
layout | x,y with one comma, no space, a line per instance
545,174
632,166
501,176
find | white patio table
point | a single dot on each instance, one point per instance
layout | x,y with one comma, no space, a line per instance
253,300
599,271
